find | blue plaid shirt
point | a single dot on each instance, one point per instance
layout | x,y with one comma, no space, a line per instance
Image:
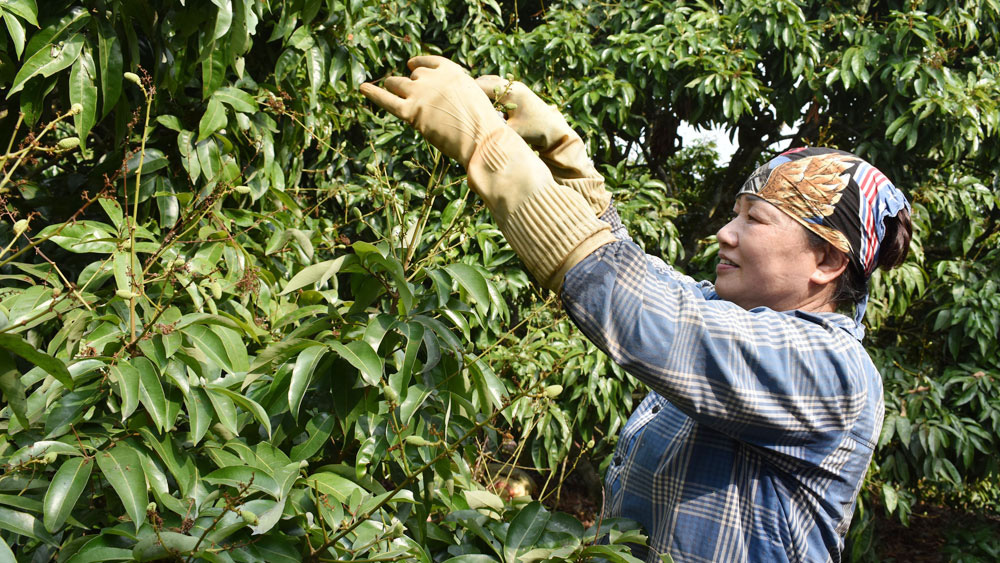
755,437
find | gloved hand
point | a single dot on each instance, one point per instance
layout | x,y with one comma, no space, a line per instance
545,129
442,102
550,226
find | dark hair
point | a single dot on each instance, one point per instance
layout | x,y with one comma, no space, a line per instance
852,285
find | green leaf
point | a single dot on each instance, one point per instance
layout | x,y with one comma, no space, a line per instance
48,61
235,349
242,476
83,91
6,555
26,9
163,545
473,282
114,212
101,548
316,273
24,524
483,499
414,333
491,389
128,387
890,497
69,409
196,404
122,468
65,489
332,484
249,405
471,558
213,119
316,71
319,428
82,237
41,448
211,344
56,368
610,553
16,31
12,388
224,409
151,392
223,18
111,67
302,373
415,396
213,68
236,99
525,529
904,430
128,272
363,357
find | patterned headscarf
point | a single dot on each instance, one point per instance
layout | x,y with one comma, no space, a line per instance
836,195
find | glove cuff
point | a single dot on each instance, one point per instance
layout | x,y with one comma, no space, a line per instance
567,159
552,230
592,190
551,227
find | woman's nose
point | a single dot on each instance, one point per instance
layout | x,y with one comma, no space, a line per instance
727,234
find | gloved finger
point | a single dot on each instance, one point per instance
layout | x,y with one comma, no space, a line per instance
399,86
430,61
420,71
386,100
492,84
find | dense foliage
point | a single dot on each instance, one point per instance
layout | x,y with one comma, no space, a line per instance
244,316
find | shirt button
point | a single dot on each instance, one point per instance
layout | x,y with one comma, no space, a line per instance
656,409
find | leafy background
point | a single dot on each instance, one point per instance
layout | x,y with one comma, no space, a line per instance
245,316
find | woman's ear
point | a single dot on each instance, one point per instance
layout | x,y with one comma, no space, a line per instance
830,264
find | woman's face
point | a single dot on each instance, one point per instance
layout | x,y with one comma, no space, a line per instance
765,259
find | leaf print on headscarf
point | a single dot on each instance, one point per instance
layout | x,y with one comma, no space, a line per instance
809,188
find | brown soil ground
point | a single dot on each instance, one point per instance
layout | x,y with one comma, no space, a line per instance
928,533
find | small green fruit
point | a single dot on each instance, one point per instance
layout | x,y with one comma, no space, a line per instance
125,294
249,517
418,441
390,393
69,143
20,226
133,77
553,391
242,189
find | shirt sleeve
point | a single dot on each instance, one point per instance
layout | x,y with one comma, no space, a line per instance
769,378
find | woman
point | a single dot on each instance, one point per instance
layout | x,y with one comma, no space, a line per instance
765,408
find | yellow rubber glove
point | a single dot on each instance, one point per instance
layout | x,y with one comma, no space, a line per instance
545,129
550,226
442,102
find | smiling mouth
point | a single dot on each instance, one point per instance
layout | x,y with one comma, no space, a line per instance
725,262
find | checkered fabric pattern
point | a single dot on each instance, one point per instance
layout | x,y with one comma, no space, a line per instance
759,427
